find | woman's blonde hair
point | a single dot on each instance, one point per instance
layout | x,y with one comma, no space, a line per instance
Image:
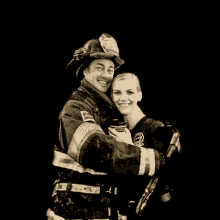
123,76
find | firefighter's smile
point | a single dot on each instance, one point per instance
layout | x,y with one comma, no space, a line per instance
103,82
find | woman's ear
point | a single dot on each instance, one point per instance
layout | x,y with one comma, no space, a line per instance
139,96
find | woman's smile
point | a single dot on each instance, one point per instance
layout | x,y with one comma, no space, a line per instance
124,104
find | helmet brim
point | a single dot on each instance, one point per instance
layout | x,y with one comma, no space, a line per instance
102,55
97,55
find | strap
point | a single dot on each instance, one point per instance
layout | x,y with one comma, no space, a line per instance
52,216
79,188
174,144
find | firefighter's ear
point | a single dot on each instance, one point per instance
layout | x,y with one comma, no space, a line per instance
86,71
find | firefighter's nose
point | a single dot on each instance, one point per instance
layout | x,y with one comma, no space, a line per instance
105,73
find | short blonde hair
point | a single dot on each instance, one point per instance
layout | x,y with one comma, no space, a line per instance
123,76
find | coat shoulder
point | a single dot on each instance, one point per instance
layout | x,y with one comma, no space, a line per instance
73,106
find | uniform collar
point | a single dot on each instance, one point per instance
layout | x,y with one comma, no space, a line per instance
94,93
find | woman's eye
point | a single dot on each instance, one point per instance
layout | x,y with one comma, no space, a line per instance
99,68
130,92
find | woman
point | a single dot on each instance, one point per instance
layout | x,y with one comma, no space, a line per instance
143,132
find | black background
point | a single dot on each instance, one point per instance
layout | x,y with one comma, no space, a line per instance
161,49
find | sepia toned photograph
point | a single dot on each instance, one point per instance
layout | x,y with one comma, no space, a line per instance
117,149
110,120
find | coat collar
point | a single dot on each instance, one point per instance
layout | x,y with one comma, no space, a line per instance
95,94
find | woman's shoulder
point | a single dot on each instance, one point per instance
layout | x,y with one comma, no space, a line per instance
154,122
150,123
147,126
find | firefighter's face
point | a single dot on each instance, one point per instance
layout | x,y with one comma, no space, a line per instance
100,73
125,95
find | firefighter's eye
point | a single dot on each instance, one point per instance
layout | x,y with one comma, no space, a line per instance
116,92
99,67
111,71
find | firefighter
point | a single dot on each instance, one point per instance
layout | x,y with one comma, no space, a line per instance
87,159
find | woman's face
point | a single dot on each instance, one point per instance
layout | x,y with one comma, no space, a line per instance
125,95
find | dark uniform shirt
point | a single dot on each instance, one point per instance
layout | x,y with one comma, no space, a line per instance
148,133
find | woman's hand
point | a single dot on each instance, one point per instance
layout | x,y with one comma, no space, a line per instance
121,136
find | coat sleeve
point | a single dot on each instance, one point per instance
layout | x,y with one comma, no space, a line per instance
83,140
164,136
153,134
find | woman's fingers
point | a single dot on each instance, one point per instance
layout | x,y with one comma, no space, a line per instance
112,131
126,130
111,134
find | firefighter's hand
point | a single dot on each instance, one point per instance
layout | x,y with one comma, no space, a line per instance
121,136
